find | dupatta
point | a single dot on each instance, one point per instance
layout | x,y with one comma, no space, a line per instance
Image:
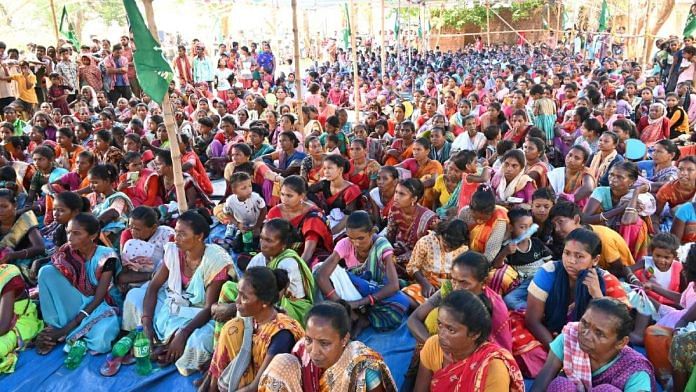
504,190
19,230
297,308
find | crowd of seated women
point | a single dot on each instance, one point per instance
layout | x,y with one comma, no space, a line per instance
516,240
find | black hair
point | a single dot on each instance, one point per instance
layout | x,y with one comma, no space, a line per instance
336,313
491,132
671,148
105,135
593,125
516,155
477,262
264,282
538,143
339,161
612,135
104,171
414,186
86,126
462,158
546,193
630,168
8,174
613,307
424,142
165,156
45,151
359,141
296,183
454,233
393,172
564,209
504,146
243,148
207,121
665,240
483,199
198,220
145,214
238,177
359,220
593,245
130,157
88,222
73,201
259,130
9,195
67,132
469,310
286,232
291,135
517,213
585,152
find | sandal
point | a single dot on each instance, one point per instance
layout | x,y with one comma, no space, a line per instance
128,359
111,366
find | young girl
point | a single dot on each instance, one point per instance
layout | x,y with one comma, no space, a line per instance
544,111
661,274
678,119
58,94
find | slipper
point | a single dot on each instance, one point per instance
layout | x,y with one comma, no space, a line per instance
111,366
128,359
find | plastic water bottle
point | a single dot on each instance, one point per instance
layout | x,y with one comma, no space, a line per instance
248,239
75,355
141,351
123,346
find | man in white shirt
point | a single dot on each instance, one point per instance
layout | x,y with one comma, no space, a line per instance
471,139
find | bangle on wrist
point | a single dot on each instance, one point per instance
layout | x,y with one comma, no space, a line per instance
602,217
332,292
84,312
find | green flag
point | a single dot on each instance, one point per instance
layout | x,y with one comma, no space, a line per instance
154,72
604,16
397,23
67,30
346,28
690,27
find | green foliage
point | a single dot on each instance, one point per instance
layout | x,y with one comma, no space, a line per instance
523,9
458,17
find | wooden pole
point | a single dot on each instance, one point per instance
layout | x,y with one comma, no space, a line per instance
509,26
55,23
488,22
645,35
384,47
169,123
356,73
398,37
559,12
298,76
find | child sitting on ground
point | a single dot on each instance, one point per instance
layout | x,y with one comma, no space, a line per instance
245,212
660,274
524,257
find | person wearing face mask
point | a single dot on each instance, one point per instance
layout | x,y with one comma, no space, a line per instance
327,360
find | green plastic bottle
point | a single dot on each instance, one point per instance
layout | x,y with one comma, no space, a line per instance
123,346
76,354
141,351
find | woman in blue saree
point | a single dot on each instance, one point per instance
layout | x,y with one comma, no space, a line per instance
175,307
75,298
112,208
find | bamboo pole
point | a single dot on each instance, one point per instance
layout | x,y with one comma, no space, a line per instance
559,11
384,47
398,37
488,22
55,23
356,73
298,76
508,25
645,35
169,123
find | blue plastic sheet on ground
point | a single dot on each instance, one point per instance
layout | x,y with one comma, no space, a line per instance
36,373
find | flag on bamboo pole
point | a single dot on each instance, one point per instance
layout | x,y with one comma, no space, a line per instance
604,16
397,23
67,30
690,27
346,28
154,72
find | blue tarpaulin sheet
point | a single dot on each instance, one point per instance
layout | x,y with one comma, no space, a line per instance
36,373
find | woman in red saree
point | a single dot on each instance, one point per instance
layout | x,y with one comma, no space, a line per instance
681,190
460,357
402,147
140,184
316,238
363,170
336,196
655,126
